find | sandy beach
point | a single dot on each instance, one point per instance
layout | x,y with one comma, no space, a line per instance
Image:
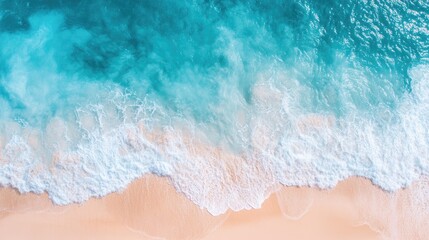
150,208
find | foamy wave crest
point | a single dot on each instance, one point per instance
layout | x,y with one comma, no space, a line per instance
112,143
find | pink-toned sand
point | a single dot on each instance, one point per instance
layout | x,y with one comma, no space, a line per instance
150,208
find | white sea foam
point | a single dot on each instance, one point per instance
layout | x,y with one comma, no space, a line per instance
114,142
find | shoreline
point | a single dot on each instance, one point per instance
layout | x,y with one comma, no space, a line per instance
151,208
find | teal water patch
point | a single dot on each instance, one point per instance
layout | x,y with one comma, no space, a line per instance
182,53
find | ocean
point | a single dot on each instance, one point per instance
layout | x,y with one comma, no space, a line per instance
228,99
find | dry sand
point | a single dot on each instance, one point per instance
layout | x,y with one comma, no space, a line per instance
150,208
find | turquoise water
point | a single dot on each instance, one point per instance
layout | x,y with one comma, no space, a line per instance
342,81
181,54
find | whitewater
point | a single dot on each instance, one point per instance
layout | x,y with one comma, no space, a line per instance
228,99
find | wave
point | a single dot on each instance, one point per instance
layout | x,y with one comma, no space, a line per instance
227,106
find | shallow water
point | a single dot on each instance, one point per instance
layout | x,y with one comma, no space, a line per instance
226,98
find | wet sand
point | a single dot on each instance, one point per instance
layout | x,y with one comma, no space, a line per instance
150,208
